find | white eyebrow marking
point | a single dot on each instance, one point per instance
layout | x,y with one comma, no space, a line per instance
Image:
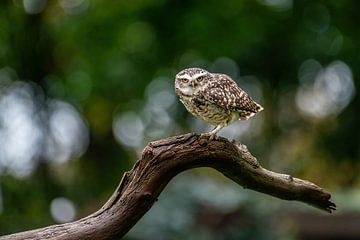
198,75
185,75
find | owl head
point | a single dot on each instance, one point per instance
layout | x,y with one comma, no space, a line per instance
188,81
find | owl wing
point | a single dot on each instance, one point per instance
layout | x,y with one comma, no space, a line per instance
225,93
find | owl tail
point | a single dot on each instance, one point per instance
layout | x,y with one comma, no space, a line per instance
245,114
258,107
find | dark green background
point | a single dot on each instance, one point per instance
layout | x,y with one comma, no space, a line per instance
111,66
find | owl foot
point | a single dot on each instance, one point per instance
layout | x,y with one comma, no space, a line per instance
213,136
210,136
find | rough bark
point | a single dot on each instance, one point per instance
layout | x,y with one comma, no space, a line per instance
160,162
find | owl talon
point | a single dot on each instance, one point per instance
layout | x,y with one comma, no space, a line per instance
210,136
214,136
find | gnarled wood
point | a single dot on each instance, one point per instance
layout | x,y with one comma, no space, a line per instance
160,162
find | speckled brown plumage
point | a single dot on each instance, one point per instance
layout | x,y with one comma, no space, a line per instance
213,97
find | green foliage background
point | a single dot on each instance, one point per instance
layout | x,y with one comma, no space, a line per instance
101,57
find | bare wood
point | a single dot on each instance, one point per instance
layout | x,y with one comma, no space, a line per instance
160,162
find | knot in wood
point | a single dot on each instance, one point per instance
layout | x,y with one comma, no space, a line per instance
148,152
148,196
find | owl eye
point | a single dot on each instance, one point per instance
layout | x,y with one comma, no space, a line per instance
184,80
200,78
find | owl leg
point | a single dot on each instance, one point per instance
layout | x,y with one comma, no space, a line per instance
212,134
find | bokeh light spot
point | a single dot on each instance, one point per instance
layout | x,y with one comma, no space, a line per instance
74,7
328,92
69,135
62,210
34,6
128,129
20,133
32,129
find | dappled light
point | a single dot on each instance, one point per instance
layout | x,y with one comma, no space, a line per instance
85,85
20,133
62,210
152,120
34,129
324,91
67,133
129,129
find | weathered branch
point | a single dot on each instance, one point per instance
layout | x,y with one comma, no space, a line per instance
160,162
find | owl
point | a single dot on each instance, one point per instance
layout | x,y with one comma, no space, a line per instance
214,97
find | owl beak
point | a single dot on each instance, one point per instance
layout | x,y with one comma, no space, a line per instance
193,84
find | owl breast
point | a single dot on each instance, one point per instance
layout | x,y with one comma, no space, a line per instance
207,111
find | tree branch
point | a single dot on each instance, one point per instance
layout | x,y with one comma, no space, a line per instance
160,162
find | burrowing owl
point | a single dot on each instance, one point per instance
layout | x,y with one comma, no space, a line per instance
214,97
